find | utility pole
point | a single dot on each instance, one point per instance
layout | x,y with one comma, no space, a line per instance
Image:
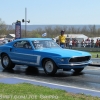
25,20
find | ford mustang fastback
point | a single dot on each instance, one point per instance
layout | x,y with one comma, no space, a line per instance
44,53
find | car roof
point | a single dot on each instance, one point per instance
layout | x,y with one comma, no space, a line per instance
32,39
27,39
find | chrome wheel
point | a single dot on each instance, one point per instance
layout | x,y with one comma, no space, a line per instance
5,61
49,66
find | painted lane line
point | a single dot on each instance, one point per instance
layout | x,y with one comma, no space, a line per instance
3,76
56,84
71,89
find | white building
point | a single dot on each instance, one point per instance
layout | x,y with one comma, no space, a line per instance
10,36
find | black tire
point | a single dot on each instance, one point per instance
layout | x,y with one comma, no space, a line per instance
78,70
6,62
50,67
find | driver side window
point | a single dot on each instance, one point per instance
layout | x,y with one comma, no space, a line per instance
23,44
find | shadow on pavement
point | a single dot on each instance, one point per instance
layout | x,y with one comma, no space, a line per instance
31,71
37,72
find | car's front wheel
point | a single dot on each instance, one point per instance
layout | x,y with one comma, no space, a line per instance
6,62
78,70
50,67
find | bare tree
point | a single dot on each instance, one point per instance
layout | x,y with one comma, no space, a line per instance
10,30
2,27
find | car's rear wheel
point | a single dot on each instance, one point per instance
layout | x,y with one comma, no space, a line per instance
6,62
50,67
78,70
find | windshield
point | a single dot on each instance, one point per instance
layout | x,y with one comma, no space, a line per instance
38,44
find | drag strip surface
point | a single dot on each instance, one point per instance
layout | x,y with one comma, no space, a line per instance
88,81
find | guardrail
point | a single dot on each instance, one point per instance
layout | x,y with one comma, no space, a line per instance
89,49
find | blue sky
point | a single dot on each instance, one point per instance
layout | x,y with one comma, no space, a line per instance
51,12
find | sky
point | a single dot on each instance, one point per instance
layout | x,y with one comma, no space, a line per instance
51,12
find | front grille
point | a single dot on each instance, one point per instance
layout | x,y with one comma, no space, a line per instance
80,59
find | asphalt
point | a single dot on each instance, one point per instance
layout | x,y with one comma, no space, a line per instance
95,62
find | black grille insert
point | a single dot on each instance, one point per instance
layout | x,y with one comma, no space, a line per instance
80,59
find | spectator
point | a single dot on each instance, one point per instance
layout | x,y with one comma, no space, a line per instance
97,43
77,43
73,42
8,40
83,43
70,44
62,39
92,43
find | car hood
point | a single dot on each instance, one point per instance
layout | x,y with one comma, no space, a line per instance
66,52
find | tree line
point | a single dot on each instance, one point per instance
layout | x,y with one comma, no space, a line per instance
90,30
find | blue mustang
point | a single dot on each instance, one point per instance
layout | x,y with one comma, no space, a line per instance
42,52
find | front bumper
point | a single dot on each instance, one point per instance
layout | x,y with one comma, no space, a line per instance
75,65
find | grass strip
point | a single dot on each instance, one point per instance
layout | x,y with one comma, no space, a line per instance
94,54
27,91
